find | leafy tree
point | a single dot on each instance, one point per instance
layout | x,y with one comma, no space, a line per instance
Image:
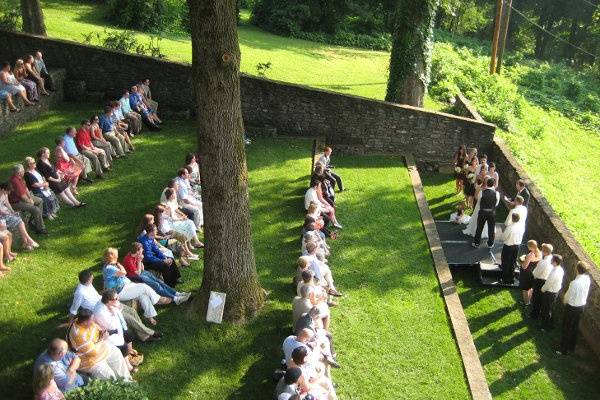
33,17
411,51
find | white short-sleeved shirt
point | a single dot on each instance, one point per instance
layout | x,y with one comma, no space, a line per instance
85,296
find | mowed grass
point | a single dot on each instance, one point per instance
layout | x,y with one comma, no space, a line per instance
518,359
391,329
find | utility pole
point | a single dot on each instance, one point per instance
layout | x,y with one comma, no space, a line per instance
495,37
505,19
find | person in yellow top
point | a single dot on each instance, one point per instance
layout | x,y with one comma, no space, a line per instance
99,358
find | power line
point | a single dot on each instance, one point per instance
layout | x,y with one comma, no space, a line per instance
590,3
548,32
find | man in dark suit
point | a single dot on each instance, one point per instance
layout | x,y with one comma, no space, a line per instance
487,213
521,191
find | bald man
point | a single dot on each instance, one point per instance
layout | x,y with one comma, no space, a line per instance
64,364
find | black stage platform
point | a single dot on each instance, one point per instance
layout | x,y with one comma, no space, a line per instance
459,252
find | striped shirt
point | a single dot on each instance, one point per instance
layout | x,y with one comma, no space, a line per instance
86,342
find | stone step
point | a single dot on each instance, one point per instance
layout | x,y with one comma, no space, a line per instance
10,120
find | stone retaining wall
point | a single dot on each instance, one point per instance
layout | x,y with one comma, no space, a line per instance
352,124
545,226
464,108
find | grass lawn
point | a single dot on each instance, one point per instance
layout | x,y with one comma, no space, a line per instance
518,359
392,333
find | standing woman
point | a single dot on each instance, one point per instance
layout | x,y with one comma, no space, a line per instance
529,262
460,158
69,168
494,174
41,188
469,188
9,83
21,75
34,76
59,186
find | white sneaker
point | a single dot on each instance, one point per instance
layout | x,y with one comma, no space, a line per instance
178,300
339,226
193,257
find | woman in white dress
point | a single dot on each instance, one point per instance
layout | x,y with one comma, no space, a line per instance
472,226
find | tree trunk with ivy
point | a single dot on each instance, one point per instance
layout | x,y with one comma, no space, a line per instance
229,264
33,17
412,44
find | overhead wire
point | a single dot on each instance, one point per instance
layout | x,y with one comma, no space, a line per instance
548,32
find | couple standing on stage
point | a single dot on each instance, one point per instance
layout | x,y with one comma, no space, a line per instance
486,213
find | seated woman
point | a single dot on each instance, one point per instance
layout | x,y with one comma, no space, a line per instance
319,221
162,242
58,185
313,379
135,271
326,187
44,386
6,253
20,74
100,141
41,188
69,168
13,219
33,75
109,317
166,230
192,162
9,83
7,97
178,220
314,194
115,278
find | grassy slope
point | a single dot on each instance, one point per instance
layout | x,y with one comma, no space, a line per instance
518,359
381,261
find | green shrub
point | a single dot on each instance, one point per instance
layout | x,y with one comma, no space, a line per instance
108,390
125,41
10,20
150,15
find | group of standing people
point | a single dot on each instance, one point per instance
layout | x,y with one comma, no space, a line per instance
309,352
541,273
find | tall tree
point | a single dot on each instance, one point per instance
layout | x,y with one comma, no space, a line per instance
411,51
229,264
33,17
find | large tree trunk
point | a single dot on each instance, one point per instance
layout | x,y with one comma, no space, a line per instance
33,17
411,51
229,264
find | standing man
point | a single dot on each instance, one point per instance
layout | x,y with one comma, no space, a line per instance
487,213
329,174
521,191
575,300
550,292
512,237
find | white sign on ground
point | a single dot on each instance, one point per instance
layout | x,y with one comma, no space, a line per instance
216,305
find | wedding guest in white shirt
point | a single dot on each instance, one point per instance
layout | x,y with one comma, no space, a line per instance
575,300
520,209
550,292
512,237
540,274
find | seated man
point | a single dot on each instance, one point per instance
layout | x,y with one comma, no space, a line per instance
40,66
150,102
188,198
64,364
303,303
155,259
97,156
86,296
291,342
119,125
323,339
71,148
331,176
133,119
288,384
137,104
99,141
21,199
109,132
99,358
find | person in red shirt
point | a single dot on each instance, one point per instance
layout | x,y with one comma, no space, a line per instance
22,200
136,273
96,155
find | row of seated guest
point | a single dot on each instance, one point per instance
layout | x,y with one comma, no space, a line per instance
28,79
309,352
34,189
101,329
